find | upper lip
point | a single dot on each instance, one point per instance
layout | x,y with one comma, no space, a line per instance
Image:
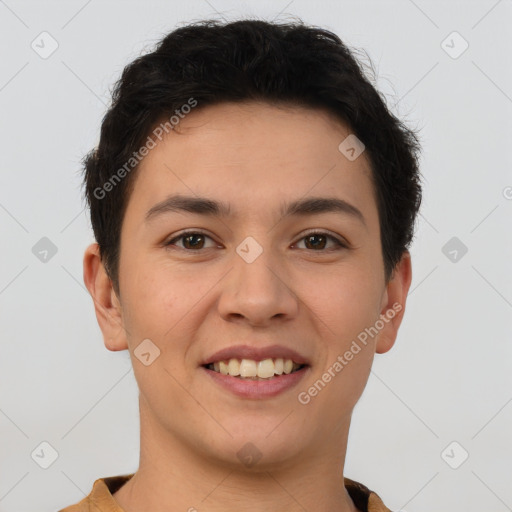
256,353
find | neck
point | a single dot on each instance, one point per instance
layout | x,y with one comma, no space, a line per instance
173,476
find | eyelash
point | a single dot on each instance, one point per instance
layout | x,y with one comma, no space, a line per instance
340,244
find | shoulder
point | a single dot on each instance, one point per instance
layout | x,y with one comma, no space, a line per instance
364,499
100,498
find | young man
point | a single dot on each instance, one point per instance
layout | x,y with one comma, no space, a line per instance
253,201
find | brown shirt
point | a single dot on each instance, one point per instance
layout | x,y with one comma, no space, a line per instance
101,500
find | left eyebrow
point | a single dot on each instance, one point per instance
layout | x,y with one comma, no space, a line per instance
211,207
316,205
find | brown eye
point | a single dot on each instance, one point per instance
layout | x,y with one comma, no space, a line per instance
315,241
319,242
195,241
191,240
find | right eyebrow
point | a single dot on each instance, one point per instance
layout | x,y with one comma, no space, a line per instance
199,205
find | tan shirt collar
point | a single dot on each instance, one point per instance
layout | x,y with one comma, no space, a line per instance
101,500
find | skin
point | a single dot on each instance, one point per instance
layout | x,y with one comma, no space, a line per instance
190,304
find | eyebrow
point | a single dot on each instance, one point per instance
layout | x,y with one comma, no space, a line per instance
210,207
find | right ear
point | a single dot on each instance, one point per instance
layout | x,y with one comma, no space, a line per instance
106,303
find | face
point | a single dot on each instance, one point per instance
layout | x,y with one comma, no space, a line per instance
259,272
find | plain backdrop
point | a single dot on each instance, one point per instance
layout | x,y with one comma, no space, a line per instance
432,429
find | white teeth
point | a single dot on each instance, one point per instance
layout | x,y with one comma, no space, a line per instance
266,369
223,368
234,367
249,368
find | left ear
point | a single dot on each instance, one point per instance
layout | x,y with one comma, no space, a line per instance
393,303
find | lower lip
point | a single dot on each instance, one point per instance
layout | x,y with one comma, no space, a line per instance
258,389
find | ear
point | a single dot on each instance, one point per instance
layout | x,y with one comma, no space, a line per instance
393,303
106,303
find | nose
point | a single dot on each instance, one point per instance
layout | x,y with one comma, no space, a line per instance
258,293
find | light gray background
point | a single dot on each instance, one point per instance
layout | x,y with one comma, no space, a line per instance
447,379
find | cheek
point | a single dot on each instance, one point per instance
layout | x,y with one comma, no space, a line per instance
150,304
349,305
346,301
165,305
346,356
154,309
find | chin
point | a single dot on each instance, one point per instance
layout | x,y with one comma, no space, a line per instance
259,447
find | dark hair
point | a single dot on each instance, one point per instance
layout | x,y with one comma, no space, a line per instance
210,62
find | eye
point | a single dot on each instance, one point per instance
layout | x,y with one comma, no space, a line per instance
318,240
191,240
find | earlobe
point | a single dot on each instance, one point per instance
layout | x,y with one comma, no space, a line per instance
106,304
394,300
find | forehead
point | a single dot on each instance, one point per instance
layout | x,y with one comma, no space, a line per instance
251,154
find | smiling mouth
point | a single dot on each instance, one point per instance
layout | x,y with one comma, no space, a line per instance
251,369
